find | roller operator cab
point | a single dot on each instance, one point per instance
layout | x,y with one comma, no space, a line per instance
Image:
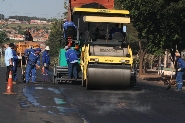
106,58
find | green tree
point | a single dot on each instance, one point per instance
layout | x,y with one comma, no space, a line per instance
132,34
55,39
21,32
66,9
3,37
159,23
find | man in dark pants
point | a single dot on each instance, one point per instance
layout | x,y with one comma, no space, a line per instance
8,59
72,60
180,71
33,63
15,62
45,63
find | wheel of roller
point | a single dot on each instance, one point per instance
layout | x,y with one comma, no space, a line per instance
87,81
107,77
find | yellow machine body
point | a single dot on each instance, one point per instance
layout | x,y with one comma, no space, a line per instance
104,64
86,59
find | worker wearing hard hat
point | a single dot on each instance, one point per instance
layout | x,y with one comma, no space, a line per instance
45,63
33,62
72,60
180,71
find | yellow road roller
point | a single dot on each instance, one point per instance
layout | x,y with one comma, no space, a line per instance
106,57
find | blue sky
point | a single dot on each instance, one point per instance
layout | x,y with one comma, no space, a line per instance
39,8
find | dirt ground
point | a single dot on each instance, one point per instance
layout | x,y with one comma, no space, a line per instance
150,76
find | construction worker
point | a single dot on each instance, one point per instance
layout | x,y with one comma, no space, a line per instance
45,63
8,59
114,30
33,62
15,62
66,24
28,36
72,60
68,32
97,32
180,71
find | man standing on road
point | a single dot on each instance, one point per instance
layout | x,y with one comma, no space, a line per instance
8,59
72,60
15,62
180,71
33,62
45,63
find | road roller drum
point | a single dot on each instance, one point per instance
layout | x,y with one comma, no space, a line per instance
101,76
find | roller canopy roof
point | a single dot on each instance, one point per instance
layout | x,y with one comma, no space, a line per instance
106,19
103,11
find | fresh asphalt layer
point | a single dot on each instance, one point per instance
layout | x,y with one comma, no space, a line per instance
148,102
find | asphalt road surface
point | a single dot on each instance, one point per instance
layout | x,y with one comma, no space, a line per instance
148,102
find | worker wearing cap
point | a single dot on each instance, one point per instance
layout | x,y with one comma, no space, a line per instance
33,62
180,71
72,60
45,63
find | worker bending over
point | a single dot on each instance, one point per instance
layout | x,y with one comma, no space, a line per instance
45,63
72,60
180,71
33,62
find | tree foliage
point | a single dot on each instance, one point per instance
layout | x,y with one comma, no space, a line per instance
26,18
132,33
160,23
66,8
55,39
3,37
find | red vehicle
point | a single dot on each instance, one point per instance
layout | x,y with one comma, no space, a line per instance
99,4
